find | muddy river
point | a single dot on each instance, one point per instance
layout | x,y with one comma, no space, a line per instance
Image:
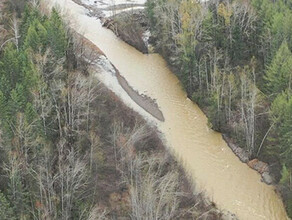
232,185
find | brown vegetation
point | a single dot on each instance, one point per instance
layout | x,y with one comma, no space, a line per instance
69,148
136,161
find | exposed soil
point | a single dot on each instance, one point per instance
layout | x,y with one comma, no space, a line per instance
130,28
148,104
113,193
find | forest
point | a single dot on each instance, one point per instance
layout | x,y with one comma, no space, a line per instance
69,149
234,59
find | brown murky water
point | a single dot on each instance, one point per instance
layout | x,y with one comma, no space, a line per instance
232,185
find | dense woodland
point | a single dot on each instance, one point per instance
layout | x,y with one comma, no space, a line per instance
234,59
68,148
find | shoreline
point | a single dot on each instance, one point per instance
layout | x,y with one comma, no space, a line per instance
131,89
148,104
151,107
145,102
154,109
239,152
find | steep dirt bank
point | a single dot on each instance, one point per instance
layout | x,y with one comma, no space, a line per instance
130,27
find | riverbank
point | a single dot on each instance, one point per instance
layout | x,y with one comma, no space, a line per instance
146,103
127,21
191,204
143,101
152,108
113,24
185,127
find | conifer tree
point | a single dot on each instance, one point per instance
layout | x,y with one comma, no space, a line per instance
279,73
57,36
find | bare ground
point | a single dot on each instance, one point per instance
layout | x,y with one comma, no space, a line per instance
148,104
112,193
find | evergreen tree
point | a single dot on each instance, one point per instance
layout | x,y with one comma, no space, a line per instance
281,29
57,36
279,73
17,100
6,211
32,39
281,116
3,107
36,37
29,15
10,66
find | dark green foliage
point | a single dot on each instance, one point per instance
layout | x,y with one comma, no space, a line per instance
36,37
10,68
29,15
3,107
281,116
6,211
30,113
23,115
57,37
279,75
234,59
